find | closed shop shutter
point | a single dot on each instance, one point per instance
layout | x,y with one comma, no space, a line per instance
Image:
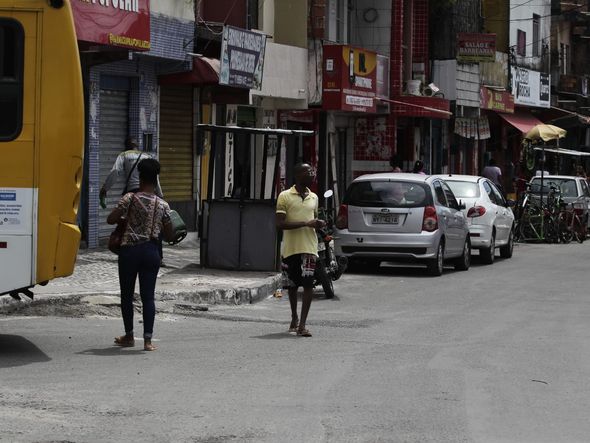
114,111
176,143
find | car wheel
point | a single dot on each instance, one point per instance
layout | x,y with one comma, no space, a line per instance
506,250
487,255
435,265
462,263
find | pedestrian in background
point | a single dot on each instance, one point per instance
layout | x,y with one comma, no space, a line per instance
493,173
147,216
395,164
418,167
125,167
296,215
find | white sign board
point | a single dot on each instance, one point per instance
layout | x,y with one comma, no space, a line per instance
531,88
16,211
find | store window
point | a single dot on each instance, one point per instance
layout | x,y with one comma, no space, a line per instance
520,42
536,35
11,78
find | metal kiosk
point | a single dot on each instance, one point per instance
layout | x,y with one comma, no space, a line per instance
239,233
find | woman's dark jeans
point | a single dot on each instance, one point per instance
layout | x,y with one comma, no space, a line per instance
142,259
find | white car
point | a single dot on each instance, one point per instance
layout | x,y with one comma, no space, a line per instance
489,217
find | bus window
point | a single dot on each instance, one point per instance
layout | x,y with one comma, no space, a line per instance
11,78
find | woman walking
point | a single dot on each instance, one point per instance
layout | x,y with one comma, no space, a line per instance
147,215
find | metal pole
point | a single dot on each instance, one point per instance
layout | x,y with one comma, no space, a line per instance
276,168
212,150
264,160
541,192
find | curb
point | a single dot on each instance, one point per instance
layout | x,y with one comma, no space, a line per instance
228,296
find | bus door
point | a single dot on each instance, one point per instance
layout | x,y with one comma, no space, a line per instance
19,31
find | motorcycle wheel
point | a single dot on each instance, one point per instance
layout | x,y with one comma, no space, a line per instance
324,279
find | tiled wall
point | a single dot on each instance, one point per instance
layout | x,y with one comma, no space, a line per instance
396,55
420,34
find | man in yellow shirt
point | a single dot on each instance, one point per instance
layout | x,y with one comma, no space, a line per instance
296,215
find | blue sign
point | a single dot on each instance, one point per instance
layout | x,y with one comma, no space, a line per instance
8,196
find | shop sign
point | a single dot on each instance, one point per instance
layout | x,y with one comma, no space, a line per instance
499,101
474,48
531,88
124,23
242,58
349,79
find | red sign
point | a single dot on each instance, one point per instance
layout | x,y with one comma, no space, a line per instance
124,23
499,101
349,79
473,48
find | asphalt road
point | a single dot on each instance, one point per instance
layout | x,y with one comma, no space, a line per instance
496,354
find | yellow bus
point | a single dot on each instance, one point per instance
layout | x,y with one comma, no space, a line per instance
41,143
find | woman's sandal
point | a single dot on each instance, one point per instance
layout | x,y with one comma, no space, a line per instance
294,326
147,346
125,341
302,332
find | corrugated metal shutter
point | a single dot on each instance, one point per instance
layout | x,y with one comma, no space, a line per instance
176,142
114,111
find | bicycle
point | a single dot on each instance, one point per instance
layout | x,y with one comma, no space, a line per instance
570,223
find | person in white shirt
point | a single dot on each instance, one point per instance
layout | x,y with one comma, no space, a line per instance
126,166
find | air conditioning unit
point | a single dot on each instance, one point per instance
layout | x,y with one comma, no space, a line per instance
430,90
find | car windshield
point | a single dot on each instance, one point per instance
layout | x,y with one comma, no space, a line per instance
388,194
463,189
566,186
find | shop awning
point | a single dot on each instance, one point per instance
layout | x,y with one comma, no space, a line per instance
205,72
521,120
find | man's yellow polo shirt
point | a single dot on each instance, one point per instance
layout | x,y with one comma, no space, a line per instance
302,240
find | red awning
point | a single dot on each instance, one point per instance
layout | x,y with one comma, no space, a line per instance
205,72
521,120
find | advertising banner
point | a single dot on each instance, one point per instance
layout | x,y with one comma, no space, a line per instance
474,48
531,88
242,58
349,79
499,101
124,23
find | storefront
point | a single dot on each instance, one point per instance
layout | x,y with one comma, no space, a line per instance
122,50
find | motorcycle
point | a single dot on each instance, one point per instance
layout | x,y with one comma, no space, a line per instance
328,267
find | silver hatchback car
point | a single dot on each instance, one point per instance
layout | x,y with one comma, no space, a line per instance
394,216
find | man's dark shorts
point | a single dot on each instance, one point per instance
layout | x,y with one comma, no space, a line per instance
298,270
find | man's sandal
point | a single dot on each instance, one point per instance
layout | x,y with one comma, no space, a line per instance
125,341
302,332
148,346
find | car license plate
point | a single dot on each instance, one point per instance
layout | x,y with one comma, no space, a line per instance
385,219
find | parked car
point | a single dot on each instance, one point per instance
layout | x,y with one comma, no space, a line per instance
572,189
489,216
407,217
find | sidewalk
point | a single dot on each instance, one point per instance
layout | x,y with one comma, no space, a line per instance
182,279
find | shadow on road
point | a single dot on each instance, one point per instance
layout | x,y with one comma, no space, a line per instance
18,351
275,336
112,351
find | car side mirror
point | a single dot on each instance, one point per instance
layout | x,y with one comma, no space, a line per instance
510,203
462,205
